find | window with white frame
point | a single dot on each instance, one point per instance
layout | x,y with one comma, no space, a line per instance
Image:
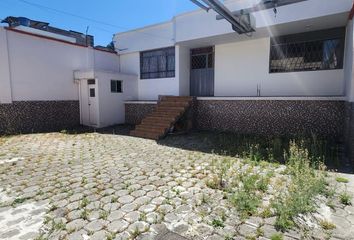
116,86
158,63
311,51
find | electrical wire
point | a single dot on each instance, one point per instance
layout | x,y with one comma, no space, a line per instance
87,19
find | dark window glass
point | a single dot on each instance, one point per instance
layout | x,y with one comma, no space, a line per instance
321,50
157,63
116,86
91,81
92,92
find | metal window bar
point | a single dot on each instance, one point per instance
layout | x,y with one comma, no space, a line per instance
157,63
315,55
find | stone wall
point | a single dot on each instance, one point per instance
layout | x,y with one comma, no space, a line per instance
38,116
272,117
135,112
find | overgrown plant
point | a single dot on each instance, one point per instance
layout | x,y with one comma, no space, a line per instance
307,181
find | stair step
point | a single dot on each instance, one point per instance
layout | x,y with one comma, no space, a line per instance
176,99
149,128
174,104
163,108
142,134
156,124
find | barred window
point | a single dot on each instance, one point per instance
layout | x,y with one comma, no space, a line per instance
320,50
157,63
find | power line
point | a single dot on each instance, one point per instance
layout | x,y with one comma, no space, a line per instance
85,18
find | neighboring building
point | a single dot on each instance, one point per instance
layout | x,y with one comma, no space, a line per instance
25,24
50,83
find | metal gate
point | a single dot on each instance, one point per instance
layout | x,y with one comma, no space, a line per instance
202,72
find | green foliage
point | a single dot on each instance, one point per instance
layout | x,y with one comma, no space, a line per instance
217,223
18,201
342,180
273,149
245,202
345,198
276,236
306,183
84,202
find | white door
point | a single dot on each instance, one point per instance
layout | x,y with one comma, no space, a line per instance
88,102
92,103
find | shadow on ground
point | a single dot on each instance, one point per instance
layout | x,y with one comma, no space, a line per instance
258,148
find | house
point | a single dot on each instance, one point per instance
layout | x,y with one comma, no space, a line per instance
289,72
291,75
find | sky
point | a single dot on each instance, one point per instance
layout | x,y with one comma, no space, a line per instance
102,17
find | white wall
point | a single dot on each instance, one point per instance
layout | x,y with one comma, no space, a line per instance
199,24
106,61
183,69
42,69
241,66
149,89
5,84
147,38
348,62
111,105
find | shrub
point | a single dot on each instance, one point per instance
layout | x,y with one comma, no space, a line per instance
306,183
345,198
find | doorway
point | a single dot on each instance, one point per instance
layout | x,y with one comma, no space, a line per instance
202,72
88,102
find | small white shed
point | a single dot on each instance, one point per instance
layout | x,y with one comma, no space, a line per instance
102,95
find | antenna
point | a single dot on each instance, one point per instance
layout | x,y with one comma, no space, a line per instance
86,32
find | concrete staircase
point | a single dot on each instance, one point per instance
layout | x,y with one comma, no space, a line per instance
166,114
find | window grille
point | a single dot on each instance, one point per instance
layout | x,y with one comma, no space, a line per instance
157,63
307,52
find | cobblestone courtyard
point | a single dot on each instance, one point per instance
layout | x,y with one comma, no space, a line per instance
102,186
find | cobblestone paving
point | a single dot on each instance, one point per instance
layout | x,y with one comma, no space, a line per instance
95,186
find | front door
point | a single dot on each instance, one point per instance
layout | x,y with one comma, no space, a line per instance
202,72
88,102
92,99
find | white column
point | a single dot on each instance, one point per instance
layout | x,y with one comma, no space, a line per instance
348,63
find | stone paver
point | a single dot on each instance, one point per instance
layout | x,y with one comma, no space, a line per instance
90,186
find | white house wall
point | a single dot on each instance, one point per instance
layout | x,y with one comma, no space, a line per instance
183,69
106,61
348,62
111,105
152,37
42,69
148,89
5,84
241,66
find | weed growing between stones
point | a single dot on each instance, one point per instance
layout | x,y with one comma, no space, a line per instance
291,190
345,198
342,180
307,182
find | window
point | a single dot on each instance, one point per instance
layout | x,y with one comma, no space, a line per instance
92,92
320,50
116,86
157,63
